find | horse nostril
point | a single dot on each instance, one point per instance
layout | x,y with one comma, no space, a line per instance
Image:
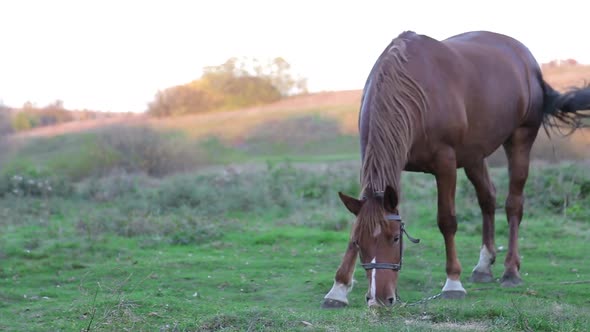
367,298
390,300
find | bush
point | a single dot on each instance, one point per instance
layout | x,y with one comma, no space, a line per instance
27,185
136,149
561,190
116,149
279,187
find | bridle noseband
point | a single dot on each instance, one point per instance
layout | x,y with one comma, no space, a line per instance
392,266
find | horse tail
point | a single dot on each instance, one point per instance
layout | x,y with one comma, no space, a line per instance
566,110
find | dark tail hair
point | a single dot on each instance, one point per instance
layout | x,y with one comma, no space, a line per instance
562,110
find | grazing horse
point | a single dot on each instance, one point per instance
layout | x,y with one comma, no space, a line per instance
436,106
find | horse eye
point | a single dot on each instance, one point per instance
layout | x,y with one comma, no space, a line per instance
395,238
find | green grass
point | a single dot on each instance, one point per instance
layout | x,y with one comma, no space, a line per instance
258,250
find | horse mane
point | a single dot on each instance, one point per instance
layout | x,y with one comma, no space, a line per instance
395,102
371,215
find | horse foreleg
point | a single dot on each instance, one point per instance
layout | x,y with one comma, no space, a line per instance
486,197
446,181
446,177
337,296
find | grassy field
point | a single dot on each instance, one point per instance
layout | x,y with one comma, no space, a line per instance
256,249
231,222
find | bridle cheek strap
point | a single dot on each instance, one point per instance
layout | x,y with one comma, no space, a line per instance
397,217
392,266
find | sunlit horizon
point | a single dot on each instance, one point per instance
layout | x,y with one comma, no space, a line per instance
115,55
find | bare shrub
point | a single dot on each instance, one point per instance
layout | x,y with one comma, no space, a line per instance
141,149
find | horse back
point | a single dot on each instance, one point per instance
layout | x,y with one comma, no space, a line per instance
481,86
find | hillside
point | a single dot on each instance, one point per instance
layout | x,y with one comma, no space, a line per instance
341,105
318,126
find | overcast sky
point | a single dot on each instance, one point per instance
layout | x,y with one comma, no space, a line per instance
115,54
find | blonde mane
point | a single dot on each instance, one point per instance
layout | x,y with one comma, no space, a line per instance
395,102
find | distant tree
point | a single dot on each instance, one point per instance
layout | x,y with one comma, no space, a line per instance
233,83
238,82
181,99
54,113
280,77
23,120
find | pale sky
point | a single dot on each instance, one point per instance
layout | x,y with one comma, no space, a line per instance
114,55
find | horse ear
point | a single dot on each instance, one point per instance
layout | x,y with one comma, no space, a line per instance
352,204
390,198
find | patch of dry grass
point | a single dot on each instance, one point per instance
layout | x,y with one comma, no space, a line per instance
231,125
233,129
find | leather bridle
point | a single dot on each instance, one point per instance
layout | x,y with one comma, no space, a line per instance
392,266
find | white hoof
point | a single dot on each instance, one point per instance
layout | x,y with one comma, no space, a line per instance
454,286
339,292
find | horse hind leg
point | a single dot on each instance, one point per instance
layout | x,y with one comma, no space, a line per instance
518,148
486,197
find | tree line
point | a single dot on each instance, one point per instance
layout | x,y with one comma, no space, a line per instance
30,116
239,82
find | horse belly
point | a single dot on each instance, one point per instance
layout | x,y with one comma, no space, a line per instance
487,132
472,135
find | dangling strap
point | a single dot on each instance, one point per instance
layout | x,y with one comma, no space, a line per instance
397,217
413,240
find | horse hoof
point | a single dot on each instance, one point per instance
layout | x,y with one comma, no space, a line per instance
333,304
481,277
453,295
510,281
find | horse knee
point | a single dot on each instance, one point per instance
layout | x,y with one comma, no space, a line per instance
514,204
447,223
488,202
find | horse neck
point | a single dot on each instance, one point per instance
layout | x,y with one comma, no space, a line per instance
384,159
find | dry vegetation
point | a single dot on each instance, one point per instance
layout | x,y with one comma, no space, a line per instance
80,126
234,127
341,105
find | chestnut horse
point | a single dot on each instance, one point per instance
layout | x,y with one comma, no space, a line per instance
436,106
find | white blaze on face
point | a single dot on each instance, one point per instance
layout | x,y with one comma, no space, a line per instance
373,291
377,231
